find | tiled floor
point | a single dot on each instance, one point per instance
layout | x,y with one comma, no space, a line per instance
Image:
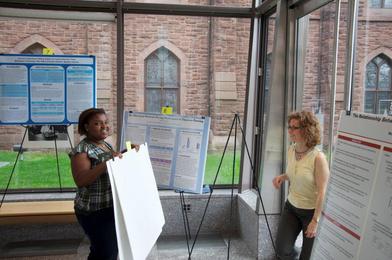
207,247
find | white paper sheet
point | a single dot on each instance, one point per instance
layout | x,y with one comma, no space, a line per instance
138,210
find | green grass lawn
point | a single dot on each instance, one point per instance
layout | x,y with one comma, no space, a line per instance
36,170
226,170
39,170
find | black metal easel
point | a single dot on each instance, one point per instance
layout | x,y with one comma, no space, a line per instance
235,124
20,151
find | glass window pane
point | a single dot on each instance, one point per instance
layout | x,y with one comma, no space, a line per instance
388,4
153,100
153,73
384,100
315,40
170,98
235,3
371,75
200,64
369,102
375,3
385,77
371,49
385,107
170,71
37,167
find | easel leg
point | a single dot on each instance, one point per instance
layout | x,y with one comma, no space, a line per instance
213,185
13,168
186,221
57,158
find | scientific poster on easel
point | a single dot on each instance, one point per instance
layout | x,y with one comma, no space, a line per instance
356,221
45,89
177,146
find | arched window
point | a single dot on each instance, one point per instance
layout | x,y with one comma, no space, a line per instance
380,3
162,80
378,85
35,48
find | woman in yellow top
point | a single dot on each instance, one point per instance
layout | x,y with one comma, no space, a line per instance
307,173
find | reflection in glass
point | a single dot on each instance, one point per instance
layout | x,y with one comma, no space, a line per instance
314,63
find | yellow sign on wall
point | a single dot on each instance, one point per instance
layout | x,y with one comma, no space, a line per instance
47,51
167,110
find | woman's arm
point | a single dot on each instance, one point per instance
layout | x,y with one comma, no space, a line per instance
82,172
321,178
278,180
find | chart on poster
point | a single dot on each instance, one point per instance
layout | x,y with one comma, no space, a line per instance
177,146
356,221
45,89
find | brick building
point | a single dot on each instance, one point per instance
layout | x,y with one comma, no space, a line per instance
198,65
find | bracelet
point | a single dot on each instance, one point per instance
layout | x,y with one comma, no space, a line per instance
316,220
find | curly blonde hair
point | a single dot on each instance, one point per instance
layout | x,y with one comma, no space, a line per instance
310,125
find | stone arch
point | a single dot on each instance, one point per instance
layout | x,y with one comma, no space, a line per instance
140,61
370,56
34,39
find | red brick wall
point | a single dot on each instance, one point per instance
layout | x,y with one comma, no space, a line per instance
200,43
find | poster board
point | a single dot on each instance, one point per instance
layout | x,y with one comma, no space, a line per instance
177,146
356,221
138,211
45,89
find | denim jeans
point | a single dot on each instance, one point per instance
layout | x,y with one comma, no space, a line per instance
100,228
292,221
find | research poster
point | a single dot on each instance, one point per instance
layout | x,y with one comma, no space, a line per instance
177,146
356,221
45,89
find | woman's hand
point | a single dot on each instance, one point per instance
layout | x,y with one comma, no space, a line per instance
311,229
117,154
136,146
278,180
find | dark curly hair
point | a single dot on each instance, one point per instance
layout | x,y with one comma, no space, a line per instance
85,117
310,124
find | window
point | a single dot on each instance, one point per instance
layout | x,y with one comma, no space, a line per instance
378,85
162,81
380,3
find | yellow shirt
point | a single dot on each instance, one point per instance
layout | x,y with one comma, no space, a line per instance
301,174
